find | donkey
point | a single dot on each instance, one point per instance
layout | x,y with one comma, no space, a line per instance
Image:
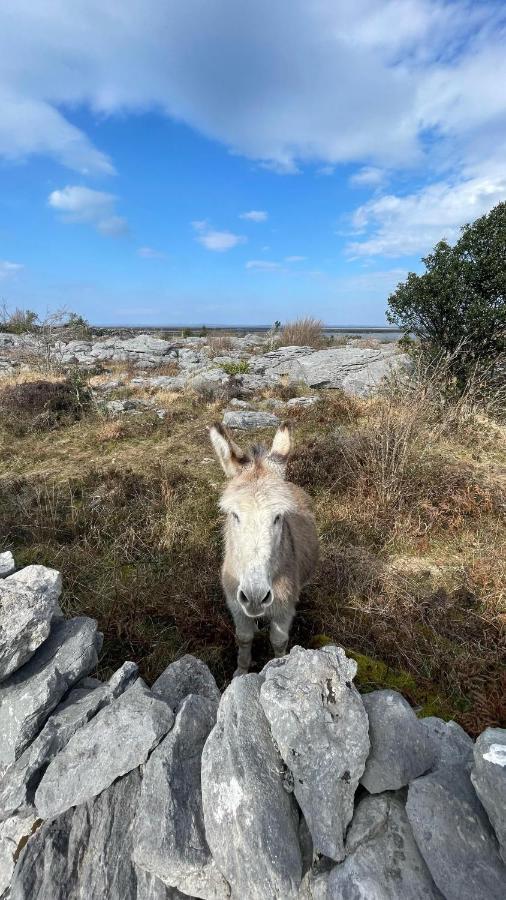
271,544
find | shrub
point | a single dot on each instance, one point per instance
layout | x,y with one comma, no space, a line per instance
241,367
19,321
304,332
457,306
43,405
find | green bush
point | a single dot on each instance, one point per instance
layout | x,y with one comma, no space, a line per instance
241,367
458,305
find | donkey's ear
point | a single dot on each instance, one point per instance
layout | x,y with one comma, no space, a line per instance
281,446
229,454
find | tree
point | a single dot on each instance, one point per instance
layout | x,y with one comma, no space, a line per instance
458,305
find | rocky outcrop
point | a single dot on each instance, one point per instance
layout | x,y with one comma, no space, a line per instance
289,785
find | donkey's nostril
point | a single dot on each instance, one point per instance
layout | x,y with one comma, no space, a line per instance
267,599
242,597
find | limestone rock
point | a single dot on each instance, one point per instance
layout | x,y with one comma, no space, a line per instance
355,370
187,675
7,564
450,742
117,740
20,781
251,821
14,833
302,401
25,622
29,695
401,748
39,578
382,858
489,780
319,724
170,839
85,854
249,419
454,836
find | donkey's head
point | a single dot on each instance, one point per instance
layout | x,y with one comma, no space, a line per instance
256,502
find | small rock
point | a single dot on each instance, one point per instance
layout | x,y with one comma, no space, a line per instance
401,748
117,740
170,839
187,675
489,780
302,401
116,407
7,564
454,836
20,781
39,578
29,695
251,822
382,858
319,724
236,403
249,419
450,742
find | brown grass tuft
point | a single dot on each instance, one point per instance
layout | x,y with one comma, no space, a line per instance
303,332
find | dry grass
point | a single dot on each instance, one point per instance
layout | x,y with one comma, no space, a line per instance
219,344
303,332
409,494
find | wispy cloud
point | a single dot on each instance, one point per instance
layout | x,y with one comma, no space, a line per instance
8,269
151,253
368,176
84,205
263,265
218,241
293,259
255,215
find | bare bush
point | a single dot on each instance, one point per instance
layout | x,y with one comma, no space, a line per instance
303,332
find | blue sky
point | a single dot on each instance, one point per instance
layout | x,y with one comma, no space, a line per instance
220,161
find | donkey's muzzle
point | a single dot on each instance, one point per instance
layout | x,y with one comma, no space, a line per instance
255,603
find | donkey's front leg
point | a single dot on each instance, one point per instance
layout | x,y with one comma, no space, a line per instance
280,631
244,632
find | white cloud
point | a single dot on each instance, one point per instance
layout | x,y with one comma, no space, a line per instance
255,215
292,259
263,265
7,269
411,225
151,253
368,176
218,241
82,204
375,77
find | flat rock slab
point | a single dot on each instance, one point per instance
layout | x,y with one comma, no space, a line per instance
7,564
251,821
85,854
454,836
25,622
353,369
22,777
187,675
489,780
29,695
249,419
450,742
117,740
382,858
401,748
320,727
170,839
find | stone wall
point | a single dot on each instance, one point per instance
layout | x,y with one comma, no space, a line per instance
289,785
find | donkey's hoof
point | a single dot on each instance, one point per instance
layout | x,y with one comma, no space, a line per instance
239,671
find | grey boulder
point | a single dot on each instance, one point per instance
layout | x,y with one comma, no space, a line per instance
450,742
319,724
85,854
39,578
21,779
170,839
25,622
187,675
401,748
382,858
353,369
454,836
7,564
14,832
489,779
251,821
117,740
29,695
246,419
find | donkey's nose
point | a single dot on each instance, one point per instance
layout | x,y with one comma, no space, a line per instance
255,601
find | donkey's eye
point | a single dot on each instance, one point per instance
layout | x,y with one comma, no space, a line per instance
235,517
277,519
